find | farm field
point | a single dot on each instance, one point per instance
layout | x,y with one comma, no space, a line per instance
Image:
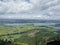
28,35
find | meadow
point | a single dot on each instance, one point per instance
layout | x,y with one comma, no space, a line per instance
27,35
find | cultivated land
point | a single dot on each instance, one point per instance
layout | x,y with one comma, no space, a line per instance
28,35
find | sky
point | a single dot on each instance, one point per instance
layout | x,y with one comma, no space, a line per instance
30,9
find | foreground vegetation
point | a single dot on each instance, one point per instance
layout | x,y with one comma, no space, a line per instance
27,35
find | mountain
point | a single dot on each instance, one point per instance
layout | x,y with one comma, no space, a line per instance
28,21
20,21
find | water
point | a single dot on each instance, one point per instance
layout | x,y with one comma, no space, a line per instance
57,25
36,24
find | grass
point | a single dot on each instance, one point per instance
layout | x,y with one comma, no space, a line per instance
39,34
9,30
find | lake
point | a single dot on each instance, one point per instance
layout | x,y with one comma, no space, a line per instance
57,25
38,24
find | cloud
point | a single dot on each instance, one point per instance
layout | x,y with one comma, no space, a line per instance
15,7
11,16
43,9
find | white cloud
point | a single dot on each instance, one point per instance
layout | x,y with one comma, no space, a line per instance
20,16
41,8
15,7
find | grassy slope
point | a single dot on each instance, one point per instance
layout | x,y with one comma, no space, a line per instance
5,30
9,30
37,35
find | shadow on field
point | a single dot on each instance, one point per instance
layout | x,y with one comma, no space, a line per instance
5,42
54,43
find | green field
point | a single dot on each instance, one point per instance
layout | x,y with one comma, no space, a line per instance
11,30
27,35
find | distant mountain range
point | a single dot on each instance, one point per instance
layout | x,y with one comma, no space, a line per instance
20,21
28,21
